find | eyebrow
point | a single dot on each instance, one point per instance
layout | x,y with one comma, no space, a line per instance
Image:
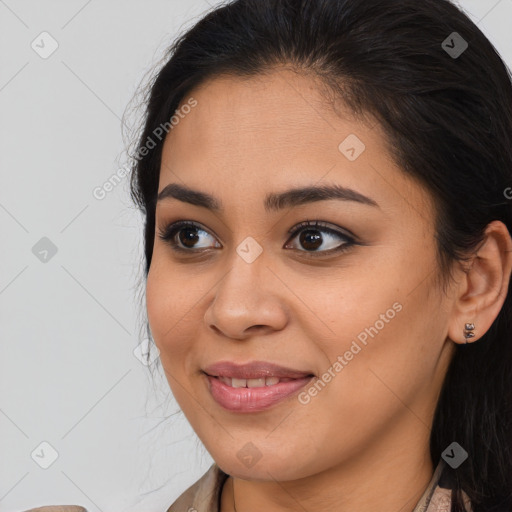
273,201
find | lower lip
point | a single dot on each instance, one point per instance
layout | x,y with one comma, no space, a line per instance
253,399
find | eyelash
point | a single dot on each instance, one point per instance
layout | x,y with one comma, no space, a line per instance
168,233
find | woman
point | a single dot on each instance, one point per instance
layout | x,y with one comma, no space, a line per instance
326,191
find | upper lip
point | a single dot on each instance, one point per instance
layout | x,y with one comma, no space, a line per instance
253,370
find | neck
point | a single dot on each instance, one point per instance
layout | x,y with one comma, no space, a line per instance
376,482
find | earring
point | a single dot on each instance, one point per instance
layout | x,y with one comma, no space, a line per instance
468,331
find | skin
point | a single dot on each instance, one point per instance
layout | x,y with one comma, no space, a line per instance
362,442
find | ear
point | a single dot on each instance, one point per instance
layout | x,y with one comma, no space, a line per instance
482,290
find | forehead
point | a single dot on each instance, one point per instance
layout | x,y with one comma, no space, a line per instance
282,108
260,134
274,121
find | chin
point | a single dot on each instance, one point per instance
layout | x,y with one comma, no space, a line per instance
267,468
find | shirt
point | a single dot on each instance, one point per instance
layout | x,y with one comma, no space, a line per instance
204,495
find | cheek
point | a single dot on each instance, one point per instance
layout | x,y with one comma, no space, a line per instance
156,303
378,329
173,313
173,318
352,308
387,364
161,309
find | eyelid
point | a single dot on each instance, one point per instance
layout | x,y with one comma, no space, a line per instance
168,232
321,225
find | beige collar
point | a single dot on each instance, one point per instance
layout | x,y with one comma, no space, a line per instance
204,494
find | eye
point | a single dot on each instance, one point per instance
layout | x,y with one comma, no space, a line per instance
311,238
183,236
189,234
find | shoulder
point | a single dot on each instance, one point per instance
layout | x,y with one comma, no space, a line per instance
438,495
203,495
58,508
442,501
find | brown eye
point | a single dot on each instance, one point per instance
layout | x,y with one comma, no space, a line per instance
315,238
316,235
184,236
188,237
311,239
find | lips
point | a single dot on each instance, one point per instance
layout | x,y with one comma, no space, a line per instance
253,399
254,370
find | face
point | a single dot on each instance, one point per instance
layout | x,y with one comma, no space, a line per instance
350,301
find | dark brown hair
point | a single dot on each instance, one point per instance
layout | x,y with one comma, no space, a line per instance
448,123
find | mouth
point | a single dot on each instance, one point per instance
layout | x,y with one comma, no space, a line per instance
253,387
254,374
262,382
253,399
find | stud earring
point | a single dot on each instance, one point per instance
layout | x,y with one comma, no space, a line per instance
468,331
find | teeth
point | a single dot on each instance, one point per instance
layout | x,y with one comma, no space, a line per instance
238,383
252,383
256,383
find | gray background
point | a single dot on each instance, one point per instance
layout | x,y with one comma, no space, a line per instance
70,321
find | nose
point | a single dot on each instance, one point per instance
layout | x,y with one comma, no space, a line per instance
249,300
